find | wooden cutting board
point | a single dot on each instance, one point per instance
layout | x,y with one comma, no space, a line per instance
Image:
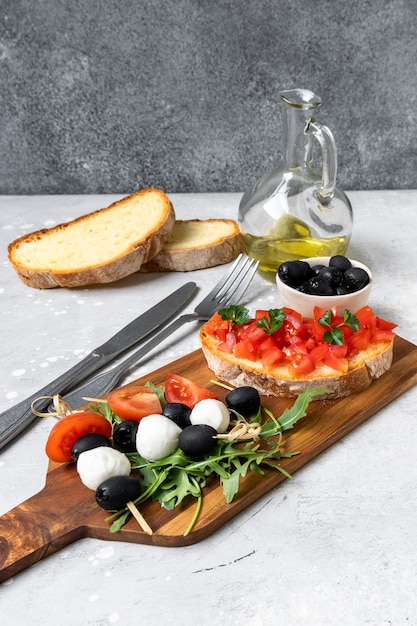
65,511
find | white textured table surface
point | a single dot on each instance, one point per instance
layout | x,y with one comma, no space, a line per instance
337,545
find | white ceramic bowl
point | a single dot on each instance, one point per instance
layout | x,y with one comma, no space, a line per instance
304,303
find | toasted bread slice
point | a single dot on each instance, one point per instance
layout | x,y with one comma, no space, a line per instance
364,367
100,247
197,244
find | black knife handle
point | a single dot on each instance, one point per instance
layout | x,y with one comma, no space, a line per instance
14,420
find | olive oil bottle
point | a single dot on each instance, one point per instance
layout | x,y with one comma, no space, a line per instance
295,212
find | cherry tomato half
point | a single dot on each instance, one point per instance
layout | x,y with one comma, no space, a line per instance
180,389
70,428
134,402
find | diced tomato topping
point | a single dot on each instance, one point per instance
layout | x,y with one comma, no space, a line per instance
300,342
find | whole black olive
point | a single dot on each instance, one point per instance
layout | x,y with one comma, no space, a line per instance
197,439
88,442
124,436
332,275
320,287
355,278
113,494
177,412
315,269
244,400
341,262
293,273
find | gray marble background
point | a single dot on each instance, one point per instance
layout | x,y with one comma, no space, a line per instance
109,96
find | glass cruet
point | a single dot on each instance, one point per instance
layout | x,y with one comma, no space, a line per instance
294,211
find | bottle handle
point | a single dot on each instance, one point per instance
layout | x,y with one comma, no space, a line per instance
328,146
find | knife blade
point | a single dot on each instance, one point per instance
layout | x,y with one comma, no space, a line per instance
14,420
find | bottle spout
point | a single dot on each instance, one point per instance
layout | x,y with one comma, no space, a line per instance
301,98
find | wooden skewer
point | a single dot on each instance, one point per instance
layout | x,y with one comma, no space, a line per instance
139,518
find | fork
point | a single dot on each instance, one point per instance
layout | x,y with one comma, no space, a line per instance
229,289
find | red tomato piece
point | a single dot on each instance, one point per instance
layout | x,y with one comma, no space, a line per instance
336,358
301,364
382,335
228,344
319,352
217,327
360,340
260,313
181,389
245,350
384,324
134,402
366,317
70,428
271,356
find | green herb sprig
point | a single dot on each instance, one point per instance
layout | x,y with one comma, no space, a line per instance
236,314
335,334
273,322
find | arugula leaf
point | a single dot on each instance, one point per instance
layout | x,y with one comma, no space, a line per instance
274,323
236,314
298,410
171,480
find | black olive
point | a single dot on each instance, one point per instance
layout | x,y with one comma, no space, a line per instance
342,290
124,436
197,439
320,287
244,400
293,273
355,278
88,442
304,288
113,494
332,275
177,412
342,263
315,269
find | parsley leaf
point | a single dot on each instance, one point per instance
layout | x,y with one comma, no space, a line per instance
335,334
236,314
274,323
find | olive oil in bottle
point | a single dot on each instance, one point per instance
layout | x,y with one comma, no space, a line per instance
295,211
290,239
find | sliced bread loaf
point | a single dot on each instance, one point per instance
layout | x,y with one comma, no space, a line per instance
100,247
197,244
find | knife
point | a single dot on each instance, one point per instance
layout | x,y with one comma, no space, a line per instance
14,420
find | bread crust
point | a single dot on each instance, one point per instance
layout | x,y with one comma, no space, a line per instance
365,367
117,266
182,254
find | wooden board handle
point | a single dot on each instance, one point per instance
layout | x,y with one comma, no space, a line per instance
42,524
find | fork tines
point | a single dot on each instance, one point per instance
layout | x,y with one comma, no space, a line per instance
233,286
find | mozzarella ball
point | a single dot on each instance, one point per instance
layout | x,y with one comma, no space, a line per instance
211,412
96,465
157,437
